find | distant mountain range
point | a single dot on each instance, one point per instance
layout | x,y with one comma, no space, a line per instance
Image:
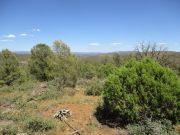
88,53
22,52
80,53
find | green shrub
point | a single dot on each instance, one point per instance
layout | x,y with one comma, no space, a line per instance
8,130
95,87
41,63
87,70
142,89
50,94
14,115
23,76
9,69
150,127
20,103
66,65
67,78
28,85
106,70
17,101
51,85
38,124
32,104
83,83
5,89
25,86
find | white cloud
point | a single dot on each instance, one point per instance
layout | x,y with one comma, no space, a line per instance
23,34
163,43
6,40
36,30
26,35
10,36
116,43
94,44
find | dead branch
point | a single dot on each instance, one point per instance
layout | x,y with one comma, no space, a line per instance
77,131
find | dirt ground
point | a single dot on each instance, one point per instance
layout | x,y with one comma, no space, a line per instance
82,108
83,119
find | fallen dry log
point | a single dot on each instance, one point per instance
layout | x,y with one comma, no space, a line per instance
62,115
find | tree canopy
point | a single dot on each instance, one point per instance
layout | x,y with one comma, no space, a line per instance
9,67
66,65
41,62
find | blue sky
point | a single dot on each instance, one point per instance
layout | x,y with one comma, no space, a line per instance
89,25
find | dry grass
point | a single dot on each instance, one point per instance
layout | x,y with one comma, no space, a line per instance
36,102
82,107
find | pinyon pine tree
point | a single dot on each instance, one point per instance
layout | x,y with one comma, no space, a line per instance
41,63
9,68
66,65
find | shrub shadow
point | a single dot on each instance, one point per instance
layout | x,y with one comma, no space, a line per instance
105,117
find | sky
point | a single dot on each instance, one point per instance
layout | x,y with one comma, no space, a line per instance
89,25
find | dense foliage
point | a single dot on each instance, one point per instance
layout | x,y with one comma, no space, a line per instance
106,70
9,68
41,62
95,87
142,89
87,70
141,94
66,65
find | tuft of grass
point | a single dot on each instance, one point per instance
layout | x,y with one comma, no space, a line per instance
50,94
38,124
8,130
15,115
32,104
91,127
150,127
26,122
20,103
60,128
68,91
6,89
29,85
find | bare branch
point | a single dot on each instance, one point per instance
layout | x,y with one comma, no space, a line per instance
151,50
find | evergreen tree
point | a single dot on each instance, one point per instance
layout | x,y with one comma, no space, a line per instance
142,89
41,63
66,68
9,68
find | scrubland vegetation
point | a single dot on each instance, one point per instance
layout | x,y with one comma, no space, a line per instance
135,93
